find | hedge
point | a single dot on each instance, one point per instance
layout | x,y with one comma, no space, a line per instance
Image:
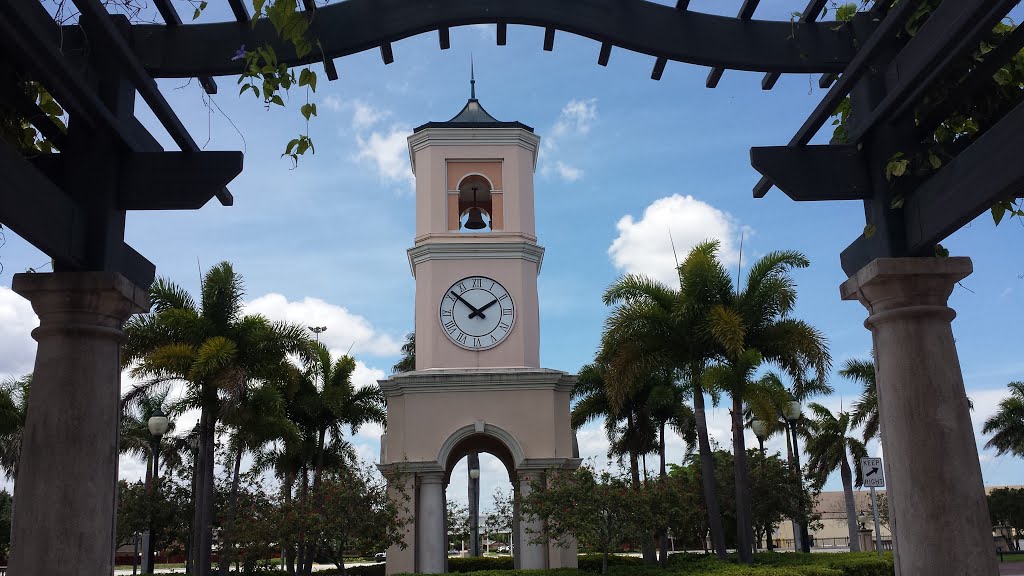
686,564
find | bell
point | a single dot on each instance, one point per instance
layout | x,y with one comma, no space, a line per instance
475,220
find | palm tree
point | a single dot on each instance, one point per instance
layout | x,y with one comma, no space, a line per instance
655,327
1007,424
408,361
13,407
255,417
746,327
213,348
827,445
865,409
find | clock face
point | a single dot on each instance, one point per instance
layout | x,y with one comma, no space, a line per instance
476,313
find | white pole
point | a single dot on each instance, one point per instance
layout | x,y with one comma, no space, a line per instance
878,530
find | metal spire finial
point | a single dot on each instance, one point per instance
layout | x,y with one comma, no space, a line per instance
472,80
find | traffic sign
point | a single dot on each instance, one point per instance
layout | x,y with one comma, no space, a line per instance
871,472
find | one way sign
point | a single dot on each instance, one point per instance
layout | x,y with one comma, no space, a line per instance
871,472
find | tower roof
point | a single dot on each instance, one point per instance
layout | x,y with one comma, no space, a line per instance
473,114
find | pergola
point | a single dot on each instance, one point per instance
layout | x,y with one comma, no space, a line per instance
72,205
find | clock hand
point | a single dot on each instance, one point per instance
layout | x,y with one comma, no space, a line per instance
471,307
484,307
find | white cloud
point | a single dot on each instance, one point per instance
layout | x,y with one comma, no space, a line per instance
567,172
364,114
344,329
574,122
386,153
17,320
644,246
333,103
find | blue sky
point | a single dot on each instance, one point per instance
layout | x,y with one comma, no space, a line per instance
624,159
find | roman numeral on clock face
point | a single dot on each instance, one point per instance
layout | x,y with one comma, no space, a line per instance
476,342
461,338
451,327
478,282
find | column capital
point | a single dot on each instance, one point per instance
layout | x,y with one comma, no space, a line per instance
430,477
68,301
915,286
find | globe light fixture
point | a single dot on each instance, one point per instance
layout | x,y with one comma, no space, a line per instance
793,409
760,428
158,423
474,473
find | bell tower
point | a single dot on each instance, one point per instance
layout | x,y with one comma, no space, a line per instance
478,385
475,220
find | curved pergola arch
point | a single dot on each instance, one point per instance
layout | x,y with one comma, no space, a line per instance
353,26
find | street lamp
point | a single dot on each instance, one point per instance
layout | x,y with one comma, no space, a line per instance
792,411
158,424
317,330
760,428
474,504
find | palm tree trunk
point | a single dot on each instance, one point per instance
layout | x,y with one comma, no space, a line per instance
318,472
662,474
228,527
707,472
202,530
647,544
744,528
286,487
851,510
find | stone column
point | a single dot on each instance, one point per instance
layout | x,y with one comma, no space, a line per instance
531,555
430,519
66,503
936,495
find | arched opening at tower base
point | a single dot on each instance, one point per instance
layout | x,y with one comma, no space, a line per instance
509,427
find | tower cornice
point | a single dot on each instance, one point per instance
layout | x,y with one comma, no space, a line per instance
528,251
456,136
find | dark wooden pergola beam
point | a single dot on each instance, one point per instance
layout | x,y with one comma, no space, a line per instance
329,69
175,180
386,54
810,14
99,23
890,25
240,11
658,30
41,213
952,29
746,13
171,18
604,54
659,64
987,171
502,38
444,40
549,39
805,173
980,75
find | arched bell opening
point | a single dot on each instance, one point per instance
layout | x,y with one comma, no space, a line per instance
476,204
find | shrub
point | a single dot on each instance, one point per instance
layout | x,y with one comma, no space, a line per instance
480,564
592,562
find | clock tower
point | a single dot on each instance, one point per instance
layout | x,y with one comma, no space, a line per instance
478,385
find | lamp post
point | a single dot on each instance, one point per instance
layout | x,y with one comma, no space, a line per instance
317,330
157,428
792,412
760,429
474,504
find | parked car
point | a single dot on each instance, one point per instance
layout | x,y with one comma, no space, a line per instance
380,557
504,549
